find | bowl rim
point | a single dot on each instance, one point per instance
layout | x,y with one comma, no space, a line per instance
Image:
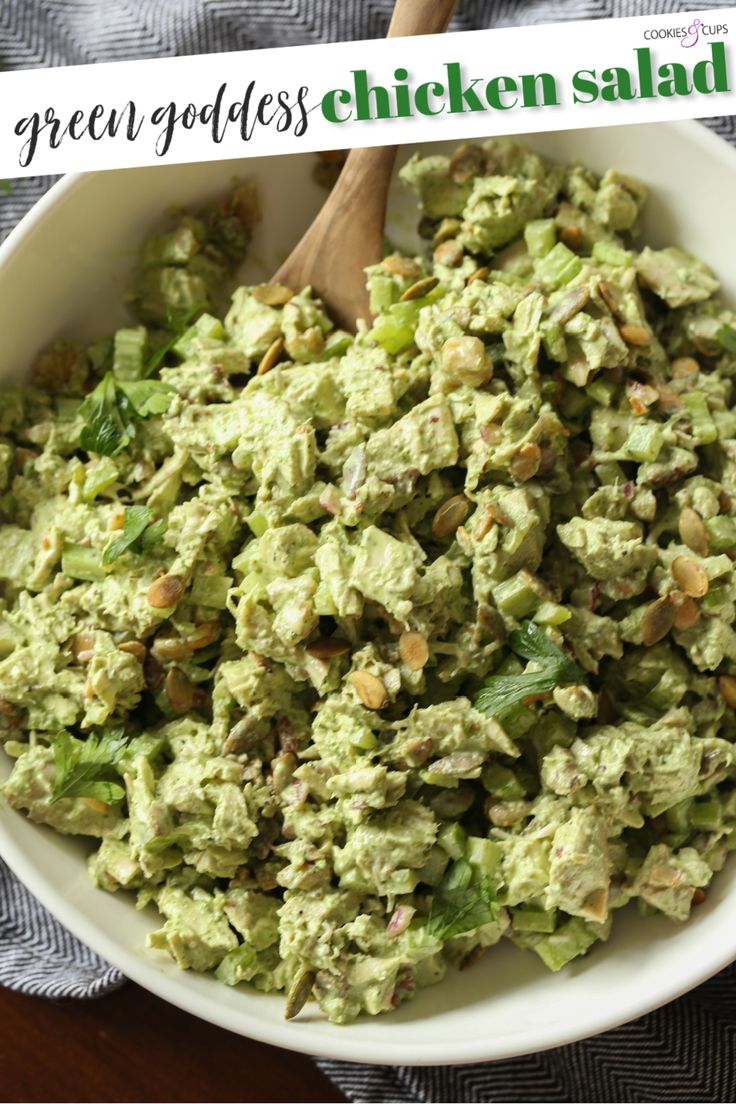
350,1047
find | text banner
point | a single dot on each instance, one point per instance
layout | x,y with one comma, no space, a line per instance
380,92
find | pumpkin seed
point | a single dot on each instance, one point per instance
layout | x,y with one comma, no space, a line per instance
458,764
414,650
479,274
299,993
525,464
401,266
641,396
83,645
418,750
596,905
657,621
419,289
168,647
611,296
690,576
370,689
242,736
448,228
693,532
682,367
570,305
206,633
572,236
273,295
449,253
633,334
271,355
727,686
328,646
166,591
449,516
179,691
134,648
687,610
96,805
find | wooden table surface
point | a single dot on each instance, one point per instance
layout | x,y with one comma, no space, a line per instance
131,1046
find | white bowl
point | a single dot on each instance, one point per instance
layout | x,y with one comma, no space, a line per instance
62,272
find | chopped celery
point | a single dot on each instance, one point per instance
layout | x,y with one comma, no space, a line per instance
383,292
703,427
722,533
337,343
502,782
560,947
434,868
79,561
609,472
362,738
324,603
553,339
601,391
644,442
238,965
211,591
129,353
559,266
484,855
514,597
668,692
207,327
100,474
540,236
452,839
526,918
402,881
257,523
552,613
519,721
705,816
606,252
394,329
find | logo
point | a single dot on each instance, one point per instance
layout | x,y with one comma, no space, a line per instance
690,35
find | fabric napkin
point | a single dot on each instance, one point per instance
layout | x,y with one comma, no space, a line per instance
683,1052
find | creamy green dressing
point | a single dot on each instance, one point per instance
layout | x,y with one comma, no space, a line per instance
358,654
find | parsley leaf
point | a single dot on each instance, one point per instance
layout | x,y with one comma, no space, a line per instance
178,324
111,411
460,905
726,338
138,535
88,768
500,693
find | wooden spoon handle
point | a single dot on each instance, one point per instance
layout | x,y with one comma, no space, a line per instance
371,167
420,17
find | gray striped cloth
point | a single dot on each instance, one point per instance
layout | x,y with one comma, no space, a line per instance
683,1052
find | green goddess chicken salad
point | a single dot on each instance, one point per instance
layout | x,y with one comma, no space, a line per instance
356,654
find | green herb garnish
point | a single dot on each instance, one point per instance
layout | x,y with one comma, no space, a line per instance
500,693
726,338
461,905
113,408
139,534
88,768
178,324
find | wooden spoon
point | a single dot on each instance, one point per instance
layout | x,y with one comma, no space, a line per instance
347,234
